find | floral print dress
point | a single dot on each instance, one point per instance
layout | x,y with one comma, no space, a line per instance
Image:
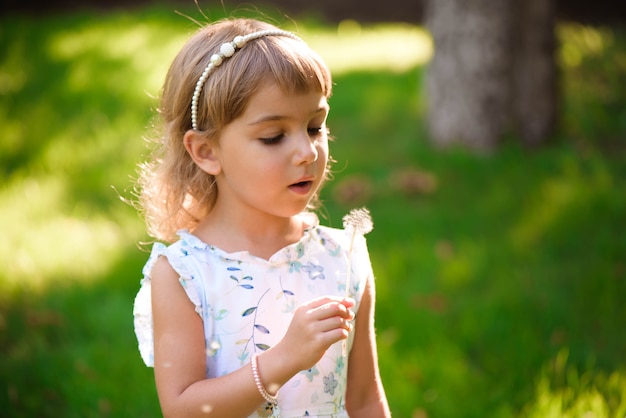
247,304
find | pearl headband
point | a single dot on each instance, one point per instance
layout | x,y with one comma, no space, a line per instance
226,51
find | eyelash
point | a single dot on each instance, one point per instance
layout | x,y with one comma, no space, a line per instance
276,139
273,140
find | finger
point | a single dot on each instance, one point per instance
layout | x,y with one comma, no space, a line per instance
334,323
348,302
337,334
331,309
323,300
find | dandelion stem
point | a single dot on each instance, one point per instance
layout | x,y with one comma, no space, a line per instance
358,221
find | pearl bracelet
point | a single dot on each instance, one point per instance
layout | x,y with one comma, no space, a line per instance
259,384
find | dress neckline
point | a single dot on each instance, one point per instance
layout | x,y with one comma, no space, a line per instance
286,254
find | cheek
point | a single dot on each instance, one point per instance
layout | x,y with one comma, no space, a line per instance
322,151
323,155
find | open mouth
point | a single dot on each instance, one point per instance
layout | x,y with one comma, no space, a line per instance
301,187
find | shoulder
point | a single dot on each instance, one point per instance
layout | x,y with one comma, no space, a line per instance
183,256
162,269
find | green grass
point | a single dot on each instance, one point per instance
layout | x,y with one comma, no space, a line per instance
500,281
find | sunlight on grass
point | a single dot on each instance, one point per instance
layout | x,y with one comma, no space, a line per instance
144,49
579,41
570,190
348,47
593,95
42,243
563,392
352,47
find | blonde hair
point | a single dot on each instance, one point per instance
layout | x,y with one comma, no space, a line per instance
173,192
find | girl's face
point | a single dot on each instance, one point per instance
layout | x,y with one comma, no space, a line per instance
273,157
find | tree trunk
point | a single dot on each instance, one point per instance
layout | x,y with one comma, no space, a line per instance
493,71
535,72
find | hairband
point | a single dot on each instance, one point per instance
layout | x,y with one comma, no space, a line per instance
226,51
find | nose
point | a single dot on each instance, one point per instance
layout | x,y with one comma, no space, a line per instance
306,150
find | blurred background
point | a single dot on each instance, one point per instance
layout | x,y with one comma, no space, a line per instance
487,137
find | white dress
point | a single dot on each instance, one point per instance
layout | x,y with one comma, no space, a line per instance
247,304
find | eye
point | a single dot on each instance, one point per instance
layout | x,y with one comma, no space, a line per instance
273,140
316,131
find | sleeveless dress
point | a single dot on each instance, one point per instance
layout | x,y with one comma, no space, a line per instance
247,303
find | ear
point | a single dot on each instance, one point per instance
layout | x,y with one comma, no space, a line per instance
203,151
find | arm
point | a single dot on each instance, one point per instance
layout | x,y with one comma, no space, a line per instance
365,395
180,359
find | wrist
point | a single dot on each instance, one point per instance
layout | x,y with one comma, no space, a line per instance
275,367
288,360
271,393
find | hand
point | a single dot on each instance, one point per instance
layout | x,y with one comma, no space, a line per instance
317,325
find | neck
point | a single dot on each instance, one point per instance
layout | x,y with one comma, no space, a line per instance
262,235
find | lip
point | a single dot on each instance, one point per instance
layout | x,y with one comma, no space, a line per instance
302,186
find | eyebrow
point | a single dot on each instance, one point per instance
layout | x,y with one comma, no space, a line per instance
273,118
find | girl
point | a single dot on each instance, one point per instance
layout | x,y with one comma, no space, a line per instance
245,314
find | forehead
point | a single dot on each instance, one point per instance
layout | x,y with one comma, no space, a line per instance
272,102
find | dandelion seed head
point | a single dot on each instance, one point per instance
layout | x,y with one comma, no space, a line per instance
358,221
